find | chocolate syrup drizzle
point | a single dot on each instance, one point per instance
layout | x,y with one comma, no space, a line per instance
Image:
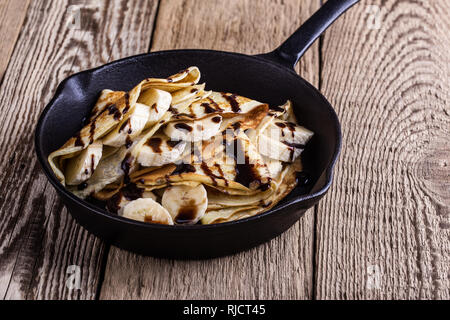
208,108
216,119
155,144
246,173
130,192
183,168
183,126
232,101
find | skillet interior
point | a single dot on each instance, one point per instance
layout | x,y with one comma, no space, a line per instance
248,76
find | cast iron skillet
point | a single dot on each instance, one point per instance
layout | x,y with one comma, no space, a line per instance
268,78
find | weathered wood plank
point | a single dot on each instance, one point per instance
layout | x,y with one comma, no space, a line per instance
38,239
383,231
12,15
281,269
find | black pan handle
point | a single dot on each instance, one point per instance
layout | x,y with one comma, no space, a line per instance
296,45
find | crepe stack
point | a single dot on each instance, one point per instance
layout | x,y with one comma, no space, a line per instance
171,152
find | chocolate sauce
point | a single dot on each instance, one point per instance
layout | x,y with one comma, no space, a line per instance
233,102
216,119
215,105
149,219
222,176
194,90
127,104
112,205
78,141
191,111
154,106
264,186
280,124
124,125
183,126
186,214
173,143
92,163
294,145
291,127
236,126
208,108
184,168
125,166
132,192
246,173
179,115
209,173
112,109
92,131
219,169
155,144
128,142
82,186
173,110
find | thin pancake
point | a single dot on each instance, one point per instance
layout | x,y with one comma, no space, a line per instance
108,113
239,180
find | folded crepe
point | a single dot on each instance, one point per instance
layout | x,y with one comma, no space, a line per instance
168,151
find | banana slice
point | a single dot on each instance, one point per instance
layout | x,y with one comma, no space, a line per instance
147,210
159,102
129,128
118,202
196,130
288,132
277,150
160,150
283,140
81,167
185,204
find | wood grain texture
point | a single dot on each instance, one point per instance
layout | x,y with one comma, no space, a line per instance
280,269
12,15
38,239
383,230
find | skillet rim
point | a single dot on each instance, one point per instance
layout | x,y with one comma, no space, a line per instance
61,189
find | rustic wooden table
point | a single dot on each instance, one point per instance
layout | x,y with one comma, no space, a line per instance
383,230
